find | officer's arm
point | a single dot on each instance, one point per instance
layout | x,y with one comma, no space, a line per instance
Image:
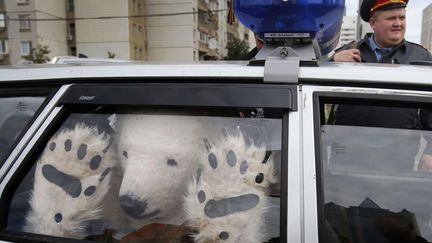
351,55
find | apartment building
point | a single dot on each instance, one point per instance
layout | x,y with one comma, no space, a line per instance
97,28
426,32
190,30
107,28
152,30
4,47
29,23
348,30
352,30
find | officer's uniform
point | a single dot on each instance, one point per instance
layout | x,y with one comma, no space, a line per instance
404,53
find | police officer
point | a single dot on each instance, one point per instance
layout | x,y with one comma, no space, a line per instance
387,44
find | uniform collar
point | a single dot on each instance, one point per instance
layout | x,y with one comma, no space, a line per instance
375,46
365,41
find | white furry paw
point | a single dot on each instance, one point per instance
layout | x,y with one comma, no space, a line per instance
72,178
226,201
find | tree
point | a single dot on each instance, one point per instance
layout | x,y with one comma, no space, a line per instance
111,55
38,54
237,49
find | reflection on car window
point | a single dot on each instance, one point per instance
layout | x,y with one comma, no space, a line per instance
15,114
141,175
375,181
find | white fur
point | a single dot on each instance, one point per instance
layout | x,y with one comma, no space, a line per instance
144,144
225,181
49,199
150,141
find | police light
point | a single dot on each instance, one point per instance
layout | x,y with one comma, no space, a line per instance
293,19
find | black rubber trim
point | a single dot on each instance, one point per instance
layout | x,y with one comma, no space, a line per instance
284,180
185,94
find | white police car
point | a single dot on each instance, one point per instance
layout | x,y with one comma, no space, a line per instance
215,152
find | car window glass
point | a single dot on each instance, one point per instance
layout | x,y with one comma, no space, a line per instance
15,114
375,178
155,175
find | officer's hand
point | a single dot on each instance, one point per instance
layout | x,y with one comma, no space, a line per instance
426,162
351,55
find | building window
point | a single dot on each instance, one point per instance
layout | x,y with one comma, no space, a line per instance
25,48
24,22
137,7
137,53
72,51
134,29
203,16
3,46
22,2
70,6
194,14
203,37
2,20
71,31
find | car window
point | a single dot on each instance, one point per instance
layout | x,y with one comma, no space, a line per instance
155,175
15,114
375,172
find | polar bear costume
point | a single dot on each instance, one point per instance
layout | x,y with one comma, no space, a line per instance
159,154
72,179
171,171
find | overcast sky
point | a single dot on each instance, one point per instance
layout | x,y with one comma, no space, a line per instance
414,16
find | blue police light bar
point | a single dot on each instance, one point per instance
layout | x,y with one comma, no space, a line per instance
294,19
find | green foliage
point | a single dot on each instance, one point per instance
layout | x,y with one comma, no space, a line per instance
111,55
237,49
38,54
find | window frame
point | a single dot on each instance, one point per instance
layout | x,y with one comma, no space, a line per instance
91,95
347,96
2,20
22,2
24,22
70,5
4,43
22,43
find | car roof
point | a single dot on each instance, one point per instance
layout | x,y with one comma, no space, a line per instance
363,73
78,60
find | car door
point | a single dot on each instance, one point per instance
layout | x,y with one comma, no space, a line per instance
368,179
155,161
22,108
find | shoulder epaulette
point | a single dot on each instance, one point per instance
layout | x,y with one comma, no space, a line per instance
416,44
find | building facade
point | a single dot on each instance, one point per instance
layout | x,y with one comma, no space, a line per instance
29,23
108,28
348,30
151,30
4,42
352,30
190,31
426,34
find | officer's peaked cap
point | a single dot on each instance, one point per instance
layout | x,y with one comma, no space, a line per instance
368,7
